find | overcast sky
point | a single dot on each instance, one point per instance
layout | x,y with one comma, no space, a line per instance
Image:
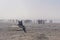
30,9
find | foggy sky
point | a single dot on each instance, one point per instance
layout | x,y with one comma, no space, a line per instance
30,9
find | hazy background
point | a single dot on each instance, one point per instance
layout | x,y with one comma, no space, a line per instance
30,9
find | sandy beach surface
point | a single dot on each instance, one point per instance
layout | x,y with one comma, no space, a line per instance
34,32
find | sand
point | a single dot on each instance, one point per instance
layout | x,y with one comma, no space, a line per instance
34,32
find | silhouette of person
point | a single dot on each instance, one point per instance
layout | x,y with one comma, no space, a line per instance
20,24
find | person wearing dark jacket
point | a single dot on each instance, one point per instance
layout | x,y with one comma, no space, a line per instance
20,24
